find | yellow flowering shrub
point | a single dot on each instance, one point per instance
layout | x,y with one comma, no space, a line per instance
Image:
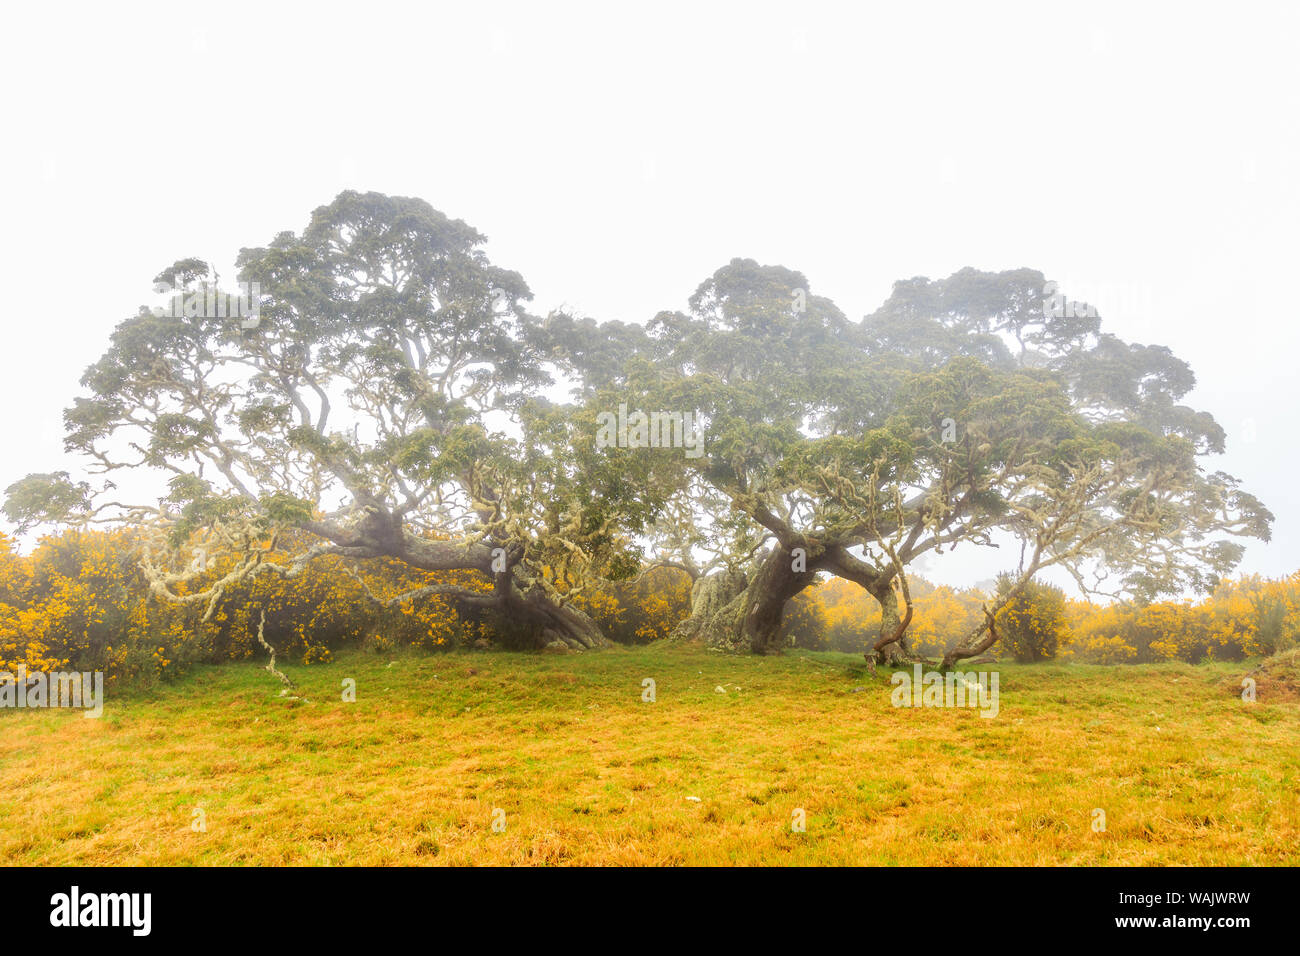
641,609
80,601
1246,618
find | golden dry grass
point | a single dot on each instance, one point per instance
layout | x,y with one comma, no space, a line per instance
588,773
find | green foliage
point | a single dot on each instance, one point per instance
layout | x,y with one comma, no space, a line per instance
47,498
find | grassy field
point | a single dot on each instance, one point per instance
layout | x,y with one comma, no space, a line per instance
416,769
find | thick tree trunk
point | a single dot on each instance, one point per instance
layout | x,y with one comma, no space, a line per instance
765,599
530,616
730,612
553,625
711,614
896,652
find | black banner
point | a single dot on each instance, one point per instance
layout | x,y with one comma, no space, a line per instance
334,906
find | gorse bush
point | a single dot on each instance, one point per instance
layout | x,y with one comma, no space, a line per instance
641,609
79,601
1246,618
1032,623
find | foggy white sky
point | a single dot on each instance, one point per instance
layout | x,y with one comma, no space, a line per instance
1146,158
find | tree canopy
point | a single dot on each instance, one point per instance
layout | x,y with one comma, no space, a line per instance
390,400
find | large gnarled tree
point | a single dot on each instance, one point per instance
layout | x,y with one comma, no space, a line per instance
962,411
383,404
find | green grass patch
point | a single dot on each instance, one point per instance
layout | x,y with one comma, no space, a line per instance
564,752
